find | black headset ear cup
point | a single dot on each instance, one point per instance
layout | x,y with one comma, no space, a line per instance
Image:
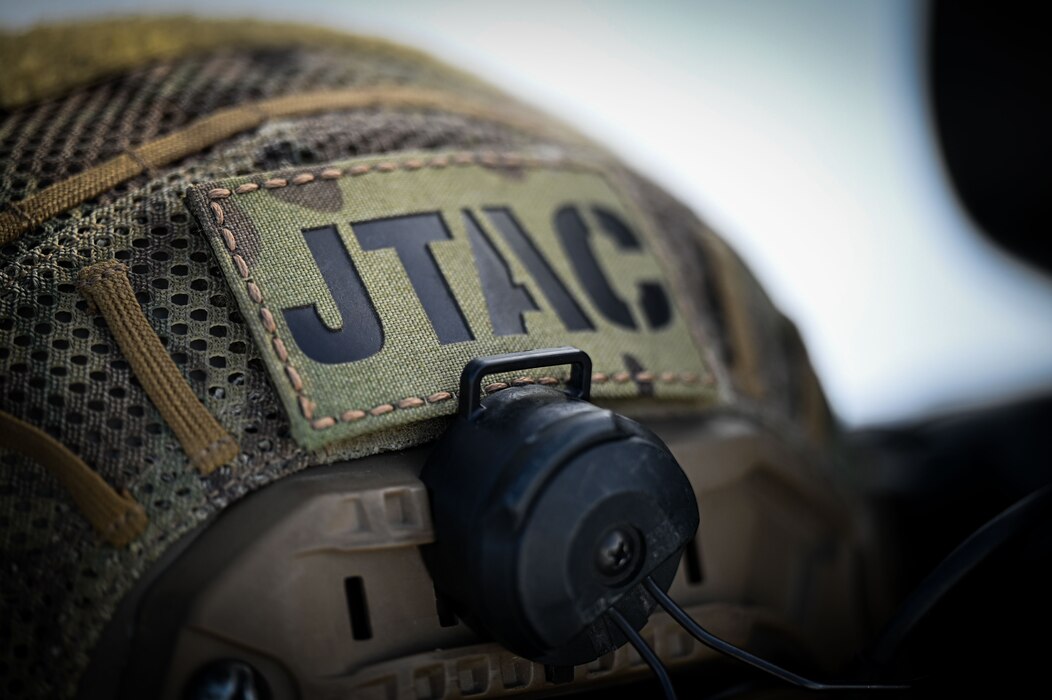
548,511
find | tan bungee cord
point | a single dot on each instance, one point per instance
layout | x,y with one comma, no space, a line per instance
117,517
206,443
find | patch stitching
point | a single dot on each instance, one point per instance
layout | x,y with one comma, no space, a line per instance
490,159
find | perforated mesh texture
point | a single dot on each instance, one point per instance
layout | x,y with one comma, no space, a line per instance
42,144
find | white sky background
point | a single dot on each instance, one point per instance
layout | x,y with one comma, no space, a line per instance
799,130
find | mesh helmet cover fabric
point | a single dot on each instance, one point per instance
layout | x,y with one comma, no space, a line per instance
60,369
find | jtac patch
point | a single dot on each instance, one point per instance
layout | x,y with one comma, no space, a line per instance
369,284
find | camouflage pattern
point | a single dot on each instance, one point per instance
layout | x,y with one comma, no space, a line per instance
413,377
60,369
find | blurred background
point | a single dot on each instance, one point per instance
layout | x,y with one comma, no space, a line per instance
804,132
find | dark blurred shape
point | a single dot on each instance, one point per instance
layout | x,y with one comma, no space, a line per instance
932,485
992,101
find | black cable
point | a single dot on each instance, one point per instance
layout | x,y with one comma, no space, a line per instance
645,651
1002,529
712,641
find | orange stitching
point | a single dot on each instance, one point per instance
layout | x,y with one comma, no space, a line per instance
242,266
294,376
323,423
268,319
279,348
488,159
228,239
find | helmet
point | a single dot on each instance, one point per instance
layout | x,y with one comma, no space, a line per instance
331,371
